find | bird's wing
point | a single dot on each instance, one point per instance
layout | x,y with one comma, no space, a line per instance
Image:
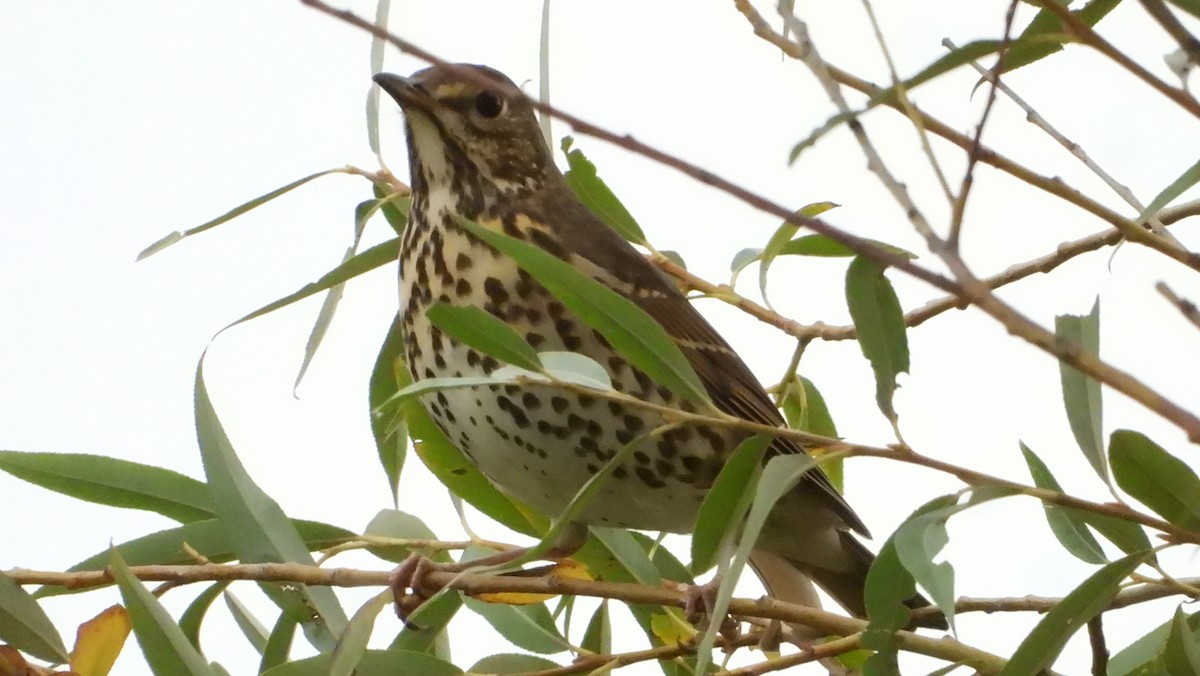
730,384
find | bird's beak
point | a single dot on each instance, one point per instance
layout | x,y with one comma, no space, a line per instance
410,95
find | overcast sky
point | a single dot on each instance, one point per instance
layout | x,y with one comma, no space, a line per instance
121,123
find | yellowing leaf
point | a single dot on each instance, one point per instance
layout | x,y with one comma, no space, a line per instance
98,642
671,628
567,568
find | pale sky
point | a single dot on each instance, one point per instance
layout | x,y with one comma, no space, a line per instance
121,124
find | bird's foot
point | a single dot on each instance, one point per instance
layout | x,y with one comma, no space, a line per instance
699,603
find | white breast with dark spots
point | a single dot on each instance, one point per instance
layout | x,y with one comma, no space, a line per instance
537,443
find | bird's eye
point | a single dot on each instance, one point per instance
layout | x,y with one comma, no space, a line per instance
488,104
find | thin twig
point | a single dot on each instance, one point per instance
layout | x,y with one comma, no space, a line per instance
1099,645
1186,307
1075,149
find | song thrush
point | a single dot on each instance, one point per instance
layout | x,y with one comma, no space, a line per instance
476,152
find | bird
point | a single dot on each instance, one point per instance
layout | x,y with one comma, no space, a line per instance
476,153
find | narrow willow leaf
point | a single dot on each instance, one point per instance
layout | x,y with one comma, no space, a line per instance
544,120
1067,524
740,261
804,409
721,513
458,474
1155,478
1129,537
513,663
375,257
193,616
395,207
249,625
921,538
427,624
633,333
387,422
529,627
1046,34
393,523
353,642
780,239
1081,394
1187,179
879,320
333,296
233,213
674,256
629,551
382,8
430,385
1139,657
25,626
258,528
597,196
1042,646
114,482
597,638
781,474
888,586
372,663
572,367
1181,652
480,329
1190,6
163,644
208,537
279,643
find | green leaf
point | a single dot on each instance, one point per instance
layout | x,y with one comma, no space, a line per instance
427,625
458,474
628,550
1067,524
512,663
114,482
1081,394
333,296
249,625
597,638
377,50
1190,6
163,643
529,627
571,367
233,213
193,616
1045,34
258,528
1187,179
25,626
1042,646
921,538
279,643
375,257
1155,478
879,320
387,422
627,327
781,474
1181,653
1126,535
597,196
888,586
373,663
353,642
780,239
393,523
480,329
804,409
395,207
721,513
209,538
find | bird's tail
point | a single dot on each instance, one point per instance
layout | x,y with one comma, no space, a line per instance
792,581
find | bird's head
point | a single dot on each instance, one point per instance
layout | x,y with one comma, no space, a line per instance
470,130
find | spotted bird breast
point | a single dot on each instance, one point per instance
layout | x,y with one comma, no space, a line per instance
539,443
